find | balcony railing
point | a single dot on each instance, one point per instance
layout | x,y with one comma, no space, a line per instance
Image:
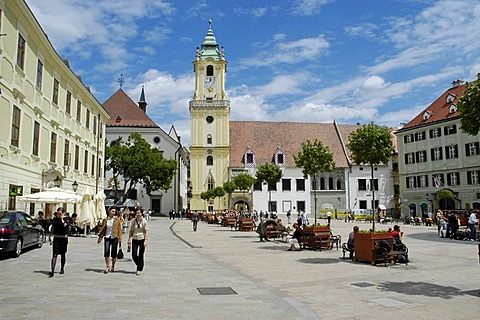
209,103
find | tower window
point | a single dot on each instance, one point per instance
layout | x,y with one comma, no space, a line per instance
210,70
209,119
209,139
209,161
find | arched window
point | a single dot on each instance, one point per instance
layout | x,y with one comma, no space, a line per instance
330,183
339,184
209,139
209,161
210,183
322,183
210,70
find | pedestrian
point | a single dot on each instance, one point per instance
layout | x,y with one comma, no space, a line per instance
289,217
137,238
329,217
59,231
472,224
304,218
195,220
351,242
111,233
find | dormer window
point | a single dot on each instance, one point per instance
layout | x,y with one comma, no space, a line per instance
279,158
453,109
426,115
450,98
249,158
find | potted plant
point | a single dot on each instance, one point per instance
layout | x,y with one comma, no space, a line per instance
364,243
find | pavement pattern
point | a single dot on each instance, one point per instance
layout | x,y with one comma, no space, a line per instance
245,279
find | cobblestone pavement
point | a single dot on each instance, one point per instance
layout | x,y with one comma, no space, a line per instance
440,282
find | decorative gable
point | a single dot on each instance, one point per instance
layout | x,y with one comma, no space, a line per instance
249,158
453,109
451,97
426,115
279,158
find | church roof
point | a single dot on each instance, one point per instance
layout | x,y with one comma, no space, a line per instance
265,138
126,113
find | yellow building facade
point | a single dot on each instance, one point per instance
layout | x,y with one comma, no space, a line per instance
210,118
51,126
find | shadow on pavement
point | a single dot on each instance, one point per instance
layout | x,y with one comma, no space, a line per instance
421,289
435,238
319,260
276,248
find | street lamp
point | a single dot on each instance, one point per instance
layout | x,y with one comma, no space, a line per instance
75,186
57,182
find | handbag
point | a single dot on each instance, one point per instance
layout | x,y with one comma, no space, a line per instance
120,252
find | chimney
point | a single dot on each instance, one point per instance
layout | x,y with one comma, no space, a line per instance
457,83
142,103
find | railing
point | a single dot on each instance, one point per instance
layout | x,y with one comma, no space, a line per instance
209,103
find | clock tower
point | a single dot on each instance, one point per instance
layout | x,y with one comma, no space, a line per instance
210,118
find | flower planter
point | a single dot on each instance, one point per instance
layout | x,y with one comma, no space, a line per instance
364,247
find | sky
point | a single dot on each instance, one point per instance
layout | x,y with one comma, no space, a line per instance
352,61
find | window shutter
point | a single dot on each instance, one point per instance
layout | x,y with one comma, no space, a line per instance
456,151
426,181
467,149
408,182
447,154
405,139
449,179
469,177
431,133
445,130
432,154
441,153
477,147
417,156
458,177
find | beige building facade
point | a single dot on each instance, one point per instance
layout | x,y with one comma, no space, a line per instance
52,127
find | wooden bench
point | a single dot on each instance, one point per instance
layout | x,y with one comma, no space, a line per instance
389,254
245,224
321,240
346,249
230,221
273,232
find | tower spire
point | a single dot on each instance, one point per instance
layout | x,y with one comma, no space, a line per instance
142,103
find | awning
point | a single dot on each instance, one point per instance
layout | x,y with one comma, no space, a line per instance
382,207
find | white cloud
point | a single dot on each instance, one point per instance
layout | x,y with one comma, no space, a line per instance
367,30
307,7
282,84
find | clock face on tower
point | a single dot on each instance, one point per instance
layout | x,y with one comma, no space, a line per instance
209,81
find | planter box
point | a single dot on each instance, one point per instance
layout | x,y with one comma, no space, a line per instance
364,247
316,237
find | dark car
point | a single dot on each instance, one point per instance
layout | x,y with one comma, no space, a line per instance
18,231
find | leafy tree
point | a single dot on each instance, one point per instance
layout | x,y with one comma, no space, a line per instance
270,174
314,158
229,188
207,196
244,182
137,162
373,145
218,192
469,108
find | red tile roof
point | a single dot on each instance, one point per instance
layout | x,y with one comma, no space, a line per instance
126,113
264,138
439,110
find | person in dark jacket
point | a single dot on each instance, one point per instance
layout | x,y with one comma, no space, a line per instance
60,241
297,234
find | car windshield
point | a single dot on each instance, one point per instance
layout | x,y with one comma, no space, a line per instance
6,217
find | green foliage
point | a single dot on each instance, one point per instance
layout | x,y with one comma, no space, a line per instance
218,192
469,108
137,162
229,187
371,144
445,194
376,231
314,158
243,181
269,173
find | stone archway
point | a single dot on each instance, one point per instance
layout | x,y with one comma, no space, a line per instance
241,205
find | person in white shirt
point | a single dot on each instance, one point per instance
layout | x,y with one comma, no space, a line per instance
472,224
137,238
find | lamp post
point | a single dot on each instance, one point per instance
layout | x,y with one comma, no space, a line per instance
75,186
56,182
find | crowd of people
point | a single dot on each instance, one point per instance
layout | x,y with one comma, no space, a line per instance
449,226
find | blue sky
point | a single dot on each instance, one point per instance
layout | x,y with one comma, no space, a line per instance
302,60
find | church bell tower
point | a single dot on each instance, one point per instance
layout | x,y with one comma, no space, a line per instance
210,118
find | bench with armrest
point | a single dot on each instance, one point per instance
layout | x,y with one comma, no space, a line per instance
335,240
245,224
230,221
388,250
274,232
322,239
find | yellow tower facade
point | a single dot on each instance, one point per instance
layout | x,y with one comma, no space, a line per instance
210,117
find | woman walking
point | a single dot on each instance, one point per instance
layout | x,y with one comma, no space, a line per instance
60,241
111,233
137,238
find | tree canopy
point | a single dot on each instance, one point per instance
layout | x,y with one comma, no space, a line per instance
137,162
243,181
371,144
314,158
269,172
469,108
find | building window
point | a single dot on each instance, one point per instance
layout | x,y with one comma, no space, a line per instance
286,184
92,172
279,158
209,139
362,184
87,119
300,206
15,127
249,157
36,138
209,160
422,181
453,178
66,153
68,103
451,151
375,184
79,111
272,206
53,147
472,177
421,156
450,130
409,158
21,51
257,186
330,183
362,204
437,180
435,133
408,138
85,162
209,70
77,157
272,187
420,136
436,154
300,184
339,184
472,149
95,129
411,183
210,184
39,74
322,183
56,85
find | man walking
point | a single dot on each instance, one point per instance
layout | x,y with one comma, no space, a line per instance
472,225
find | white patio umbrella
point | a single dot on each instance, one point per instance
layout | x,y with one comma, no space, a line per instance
51,195
100,205
87,210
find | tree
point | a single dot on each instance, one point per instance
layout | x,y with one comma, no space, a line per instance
270,174
314,158
207,196
244,182
218,192
137,162
229,187
469,108
373,145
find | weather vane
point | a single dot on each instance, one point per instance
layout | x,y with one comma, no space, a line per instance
121,80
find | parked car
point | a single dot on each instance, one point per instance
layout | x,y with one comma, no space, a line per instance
18,231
